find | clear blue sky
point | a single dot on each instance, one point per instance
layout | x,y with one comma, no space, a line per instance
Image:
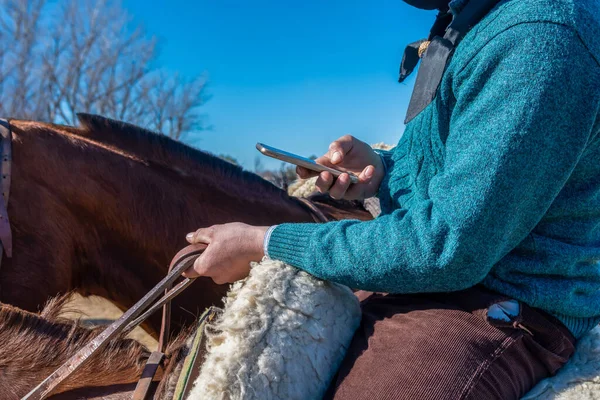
295,75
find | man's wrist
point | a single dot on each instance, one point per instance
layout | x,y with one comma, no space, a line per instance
382,159
383,170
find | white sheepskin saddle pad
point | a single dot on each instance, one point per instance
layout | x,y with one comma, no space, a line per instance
579,379
282,335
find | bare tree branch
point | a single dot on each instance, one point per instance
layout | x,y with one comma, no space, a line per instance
88,56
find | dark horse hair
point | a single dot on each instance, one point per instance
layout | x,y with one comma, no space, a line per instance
164,152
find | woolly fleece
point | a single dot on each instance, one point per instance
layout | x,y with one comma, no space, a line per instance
579,379
282,335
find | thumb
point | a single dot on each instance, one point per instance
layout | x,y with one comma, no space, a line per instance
203,235
340,148
366,174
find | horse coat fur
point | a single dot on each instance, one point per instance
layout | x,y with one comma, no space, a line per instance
282,335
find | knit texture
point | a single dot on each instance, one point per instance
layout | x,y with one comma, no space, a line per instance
497,181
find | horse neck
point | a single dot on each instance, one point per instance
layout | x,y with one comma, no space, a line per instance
153,205
116,219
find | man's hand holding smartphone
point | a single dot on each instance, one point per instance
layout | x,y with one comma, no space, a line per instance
352,155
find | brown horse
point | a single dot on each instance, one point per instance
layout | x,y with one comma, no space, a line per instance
101,209
33,346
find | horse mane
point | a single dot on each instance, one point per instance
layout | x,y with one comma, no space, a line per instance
160,150
33,346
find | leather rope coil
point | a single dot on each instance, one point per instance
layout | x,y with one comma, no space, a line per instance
423,48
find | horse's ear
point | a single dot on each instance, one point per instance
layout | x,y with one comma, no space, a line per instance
109,131
106,130
95,123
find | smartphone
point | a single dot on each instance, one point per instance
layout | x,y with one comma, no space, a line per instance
301,161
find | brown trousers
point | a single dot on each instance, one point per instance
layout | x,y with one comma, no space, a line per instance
444,346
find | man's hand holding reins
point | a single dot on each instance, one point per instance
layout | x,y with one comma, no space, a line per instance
352,155
231,248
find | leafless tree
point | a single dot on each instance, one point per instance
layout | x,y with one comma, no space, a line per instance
282,177
73,56
258,165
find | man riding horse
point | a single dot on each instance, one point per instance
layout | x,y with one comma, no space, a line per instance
485,259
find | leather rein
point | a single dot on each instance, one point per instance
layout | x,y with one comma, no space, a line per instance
137,314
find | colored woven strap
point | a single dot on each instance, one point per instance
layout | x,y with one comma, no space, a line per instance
191,364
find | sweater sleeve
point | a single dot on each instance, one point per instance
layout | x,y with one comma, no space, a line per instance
385,200
523,115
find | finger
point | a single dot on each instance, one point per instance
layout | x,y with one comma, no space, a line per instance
357,191
219,280
366,174
365,179
324,160
202,235
200,268
195,270
324,181
305,173
190,273
340,148
339,188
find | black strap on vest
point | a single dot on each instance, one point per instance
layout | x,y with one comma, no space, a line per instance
410,59
445,35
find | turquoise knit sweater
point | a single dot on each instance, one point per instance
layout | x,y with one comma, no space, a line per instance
497,182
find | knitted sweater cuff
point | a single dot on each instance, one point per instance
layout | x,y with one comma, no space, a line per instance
266,240
290,243
578,326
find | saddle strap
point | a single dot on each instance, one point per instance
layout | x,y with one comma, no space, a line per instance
315,212
5,171
143,386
